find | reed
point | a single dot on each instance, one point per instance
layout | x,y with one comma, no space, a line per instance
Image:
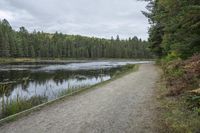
17,105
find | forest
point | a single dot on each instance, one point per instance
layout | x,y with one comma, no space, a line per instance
174,36
39,44
175,27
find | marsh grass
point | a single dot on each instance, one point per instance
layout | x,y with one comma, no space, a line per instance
17,105
71,90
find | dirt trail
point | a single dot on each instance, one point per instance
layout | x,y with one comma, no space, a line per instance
125,105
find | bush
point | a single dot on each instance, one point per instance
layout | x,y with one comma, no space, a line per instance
172,56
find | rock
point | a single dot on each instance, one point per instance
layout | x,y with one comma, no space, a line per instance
197,91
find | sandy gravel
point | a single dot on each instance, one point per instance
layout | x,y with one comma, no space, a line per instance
125,105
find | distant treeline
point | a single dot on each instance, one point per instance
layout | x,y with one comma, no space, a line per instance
39,44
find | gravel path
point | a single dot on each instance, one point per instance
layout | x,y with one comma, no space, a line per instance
125,105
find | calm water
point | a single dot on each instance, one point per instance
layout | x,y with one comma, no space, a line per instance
49,79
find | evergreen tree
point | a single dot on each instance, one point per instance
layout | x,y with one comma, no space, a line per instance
175,27
58,45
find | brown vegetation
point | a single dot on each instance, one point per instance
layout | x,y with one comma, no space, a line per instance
182,75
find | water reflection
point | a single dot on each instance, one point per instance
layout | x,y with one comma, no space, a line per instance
29,83
25,85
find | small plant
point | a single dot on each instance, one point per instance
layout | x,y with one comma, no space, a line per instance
194,103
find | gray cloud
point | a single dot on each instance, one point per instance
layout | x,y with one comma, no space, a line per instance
101,18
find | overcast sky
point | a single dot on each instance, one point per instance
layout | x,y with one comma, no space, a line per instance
99,18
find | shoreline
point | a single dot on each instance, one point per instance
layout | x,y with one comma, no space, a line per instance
63,60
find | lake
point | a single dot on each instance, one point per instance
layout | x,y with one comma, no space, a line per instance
39,82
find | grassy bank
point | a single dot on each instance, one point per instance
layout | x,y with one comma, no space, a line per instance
179,100
175,116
